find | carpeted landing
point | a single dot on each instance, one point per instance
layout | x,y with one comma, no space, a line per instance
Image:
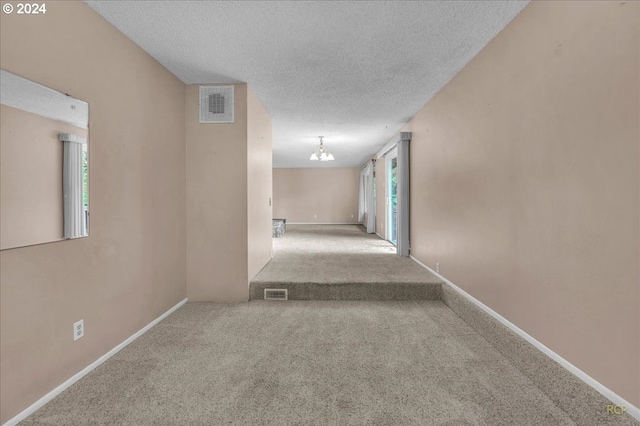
306,362
342,262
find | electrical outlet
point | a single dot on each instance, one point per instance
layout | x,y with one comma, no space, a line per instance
269,201
437,267
78,330
351,216
315,216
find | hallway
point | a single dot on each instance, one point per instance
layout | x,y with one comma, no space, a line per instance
330,362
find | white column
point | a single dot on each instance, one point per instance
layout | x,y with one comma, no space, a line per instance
403,194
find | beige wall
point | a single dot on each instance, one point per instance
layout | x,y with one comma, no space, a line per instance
228,191
132,267
217,203
524,183
31,177
316,195
259,185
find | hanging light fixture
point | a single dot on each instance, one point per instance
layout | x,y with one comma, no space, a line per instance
321,153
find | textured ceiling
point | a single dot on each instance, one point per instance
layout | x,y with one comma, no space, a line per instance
352,71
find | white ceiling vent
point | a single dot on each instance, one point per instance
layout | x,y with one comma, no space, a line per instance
216,104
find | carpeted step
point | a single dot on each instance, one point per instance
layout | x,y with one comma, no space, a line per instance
350,291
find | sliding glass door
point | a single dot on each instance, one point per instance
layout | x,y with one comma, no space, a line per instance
397,193
392,196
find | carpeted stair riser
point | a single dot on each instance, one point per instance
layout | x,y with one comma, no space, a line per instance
351,291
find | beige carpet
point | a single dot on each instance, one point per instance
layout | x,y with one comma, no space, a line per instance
306,362
326,362
342,262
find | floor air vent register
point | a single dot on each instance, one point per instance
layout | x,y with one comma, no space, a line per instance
275,294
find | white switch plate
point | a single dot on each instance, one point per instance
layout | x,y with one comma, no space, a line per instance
78,330
437,267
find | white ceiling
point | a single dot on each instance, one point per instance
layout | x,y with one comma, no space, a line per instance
352,71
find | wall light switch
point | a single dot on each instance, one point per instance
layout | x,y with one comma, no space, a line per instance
269,201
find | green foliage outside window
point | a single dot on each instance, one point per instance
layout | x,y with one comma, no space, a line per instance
394,187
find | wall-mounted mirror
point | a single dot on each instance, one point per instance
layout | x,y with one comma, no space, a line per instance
44,164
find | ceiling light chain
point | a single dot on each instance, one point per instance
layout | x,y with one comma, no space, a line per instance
321,153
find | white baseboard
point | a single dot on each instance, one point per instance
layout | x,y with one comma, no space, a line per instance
48,397
380,236
606,392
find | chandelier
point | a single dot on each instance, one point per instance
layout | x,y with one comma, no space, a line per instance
321,153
